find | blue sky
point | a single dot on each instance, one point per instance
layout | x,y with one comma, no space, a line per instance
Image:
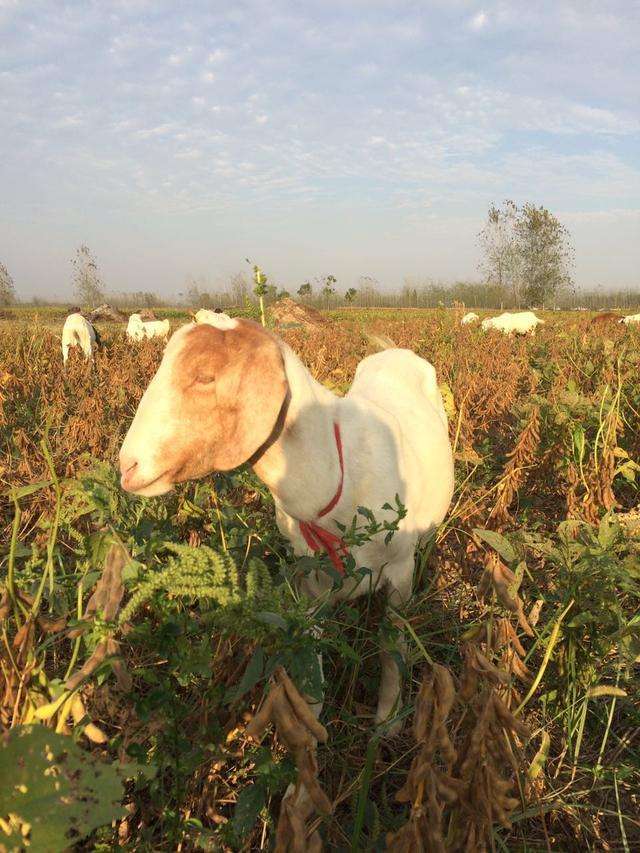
354,138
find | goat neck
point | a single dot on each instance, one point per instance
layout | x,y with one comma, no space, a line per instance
301,467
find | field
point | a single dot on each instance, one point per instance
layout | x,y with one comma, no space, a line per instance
142,671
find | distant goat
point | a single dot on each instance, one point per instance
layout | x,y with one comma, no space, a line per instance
78,331
630,319
138,329
206,315
469,318
520,323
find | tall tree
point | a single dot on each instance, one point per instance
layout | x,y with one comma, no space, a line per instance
7,287
527,253
328,288
305,291
546,254
350,295
239,288
86,278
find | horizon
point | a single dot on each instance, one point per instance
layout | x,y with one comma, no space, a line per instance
347,139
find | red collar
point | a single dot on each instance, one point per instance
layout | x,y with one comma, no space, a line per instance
317,537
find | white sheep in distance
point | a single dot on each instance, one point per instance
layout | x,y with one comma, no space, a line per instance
520,323
213,318
233,392
78,331
138,329
630,319
469,318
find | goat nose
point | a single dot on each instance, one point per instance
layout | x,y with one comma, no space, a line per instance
127,468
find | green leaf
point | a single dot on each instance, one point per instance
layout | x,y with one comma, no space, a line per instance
29,489
269,618
498,542
607,532
20,550
60,791
250,677
448,400
540,758
248,806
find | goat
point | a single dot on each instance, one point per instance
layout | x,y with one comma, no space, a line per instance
630,319
522,323
138,330
469,318
206,315
232,392
78,331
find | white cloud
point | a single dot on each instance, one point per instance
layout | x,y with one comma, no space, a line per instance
479,21
217,56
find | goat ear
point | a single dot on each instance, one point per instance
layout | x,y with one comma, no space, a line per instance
251,391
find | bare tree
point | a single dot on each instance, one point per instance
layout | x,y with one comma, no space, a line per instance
239,289
369,290
87,283
7,287
502,262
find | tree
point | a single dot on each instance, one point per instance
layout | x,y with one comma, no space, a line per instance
239,289
350,295
305,291
546,254
328,288
86,279
272,293
527,253
7,287
502,263
368,290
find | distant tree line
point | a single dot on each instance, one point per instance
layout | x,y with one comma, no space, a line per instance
526,262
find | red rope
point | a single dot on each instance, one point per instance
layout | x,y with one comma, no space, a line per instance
317,537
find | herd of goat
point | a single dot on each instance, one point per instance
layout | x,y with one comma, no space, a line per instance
78,331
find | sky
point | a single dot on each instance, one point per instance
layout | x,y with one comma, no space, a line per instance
359,137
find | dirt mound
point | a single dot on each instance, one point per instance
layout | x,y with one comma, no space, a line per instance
107,313
287,312
605,318
146,315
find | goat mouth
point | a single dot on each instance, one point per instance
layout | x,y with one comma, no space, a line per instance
159,485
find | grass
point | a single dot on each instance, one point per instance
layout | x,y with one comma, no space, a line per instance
547,444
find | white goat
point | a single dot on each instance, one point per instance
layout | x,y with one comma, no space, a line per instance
469,318
77,331
522,323
630,319
232,392
138,329
206,315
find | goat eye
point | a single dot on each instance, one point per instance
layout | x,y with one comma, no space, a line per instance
205,379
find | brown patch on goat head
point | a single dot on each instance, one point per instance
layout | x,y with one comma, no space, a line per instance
230,386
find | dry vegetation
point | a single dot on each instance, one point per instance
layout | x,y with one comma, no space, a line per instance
153,631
